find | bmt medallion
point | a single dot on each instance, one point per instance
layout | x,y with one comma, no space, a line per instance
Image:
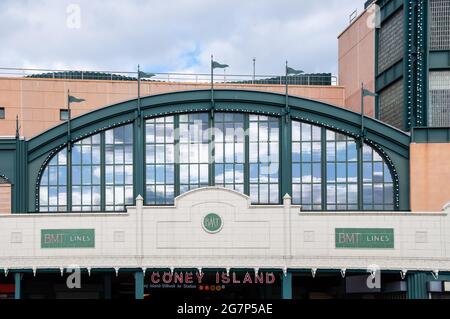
212,223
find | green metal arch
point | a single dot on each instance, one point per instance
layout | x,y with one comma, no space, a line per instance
388,137
390,142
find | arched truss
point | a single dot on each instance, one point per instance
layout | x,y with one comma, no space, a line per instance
392,144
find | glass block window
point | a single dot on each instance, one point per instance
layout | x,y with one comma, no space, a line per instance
342,172
119,167
306,166
160,161
86,171
264,159
439,106
53,185
193,151
229,156
378,193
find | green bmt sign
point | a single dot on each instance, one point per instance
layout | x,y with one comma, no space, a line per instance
370,238
67,238
212,223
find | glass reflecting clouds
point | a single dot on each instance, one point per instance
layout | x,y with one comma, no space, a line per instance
264,159
342,172
229,140
193,151
306,166
160,161
182,153
86,174
53,185
378,193
119,168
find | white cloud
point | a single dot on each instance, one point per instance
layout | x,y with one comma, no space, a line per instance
169,36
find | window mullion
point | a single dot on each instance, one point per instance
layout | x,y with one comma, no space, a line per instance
176,126
102,172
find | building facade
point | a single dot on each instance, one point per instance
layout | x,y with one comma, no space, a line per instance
236,192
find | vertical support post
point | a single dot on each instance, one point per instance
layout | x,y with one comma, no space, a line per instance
139,226
139,285
286,286
285,166
107,286
287,228
17,285
417,285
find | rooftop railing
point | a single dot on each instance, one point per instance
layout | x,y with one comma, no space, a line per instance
220,77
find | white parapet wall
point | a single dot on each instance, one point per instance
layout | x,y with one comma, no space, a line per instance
219,228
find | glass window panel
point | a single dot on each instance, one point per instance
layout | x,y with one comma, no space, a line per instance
86,155
378,193
317,152
352,194
306,152
86,175
331,151
316,133
263,193
341,148
44,178
341,172
317,173
76,154
306,194
388,194
119,175
367,172
274,194
306,173
219,170
387,174
62,175
43,196
352,172
378,172
331,194
306,132
296,177
352,153
317,194
76,195
296,152
160,174
367,194
296,131
119,195
341,194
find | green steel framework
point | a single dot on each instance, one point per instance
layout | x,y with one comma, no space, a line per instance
418,60
32,156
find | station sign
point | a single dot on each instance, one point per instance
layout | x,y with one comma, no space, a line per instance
368,238
67,238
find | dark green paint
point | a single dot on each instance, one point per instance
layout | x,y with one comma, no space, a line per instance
67,238
369,238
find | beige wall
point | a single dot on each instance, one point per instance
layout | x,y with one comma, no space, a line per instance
38,101
430,176
5,199
357,63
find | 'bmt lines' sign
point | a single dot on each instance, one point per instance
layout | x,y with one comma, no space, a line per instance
370,238
67,238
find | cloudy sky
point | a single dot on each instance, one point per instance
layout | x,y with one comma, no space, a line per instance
173,36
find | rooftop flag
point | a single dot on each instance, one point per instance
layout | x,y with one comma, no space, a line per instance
73,99
145,74
217,65
368,93
291,71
